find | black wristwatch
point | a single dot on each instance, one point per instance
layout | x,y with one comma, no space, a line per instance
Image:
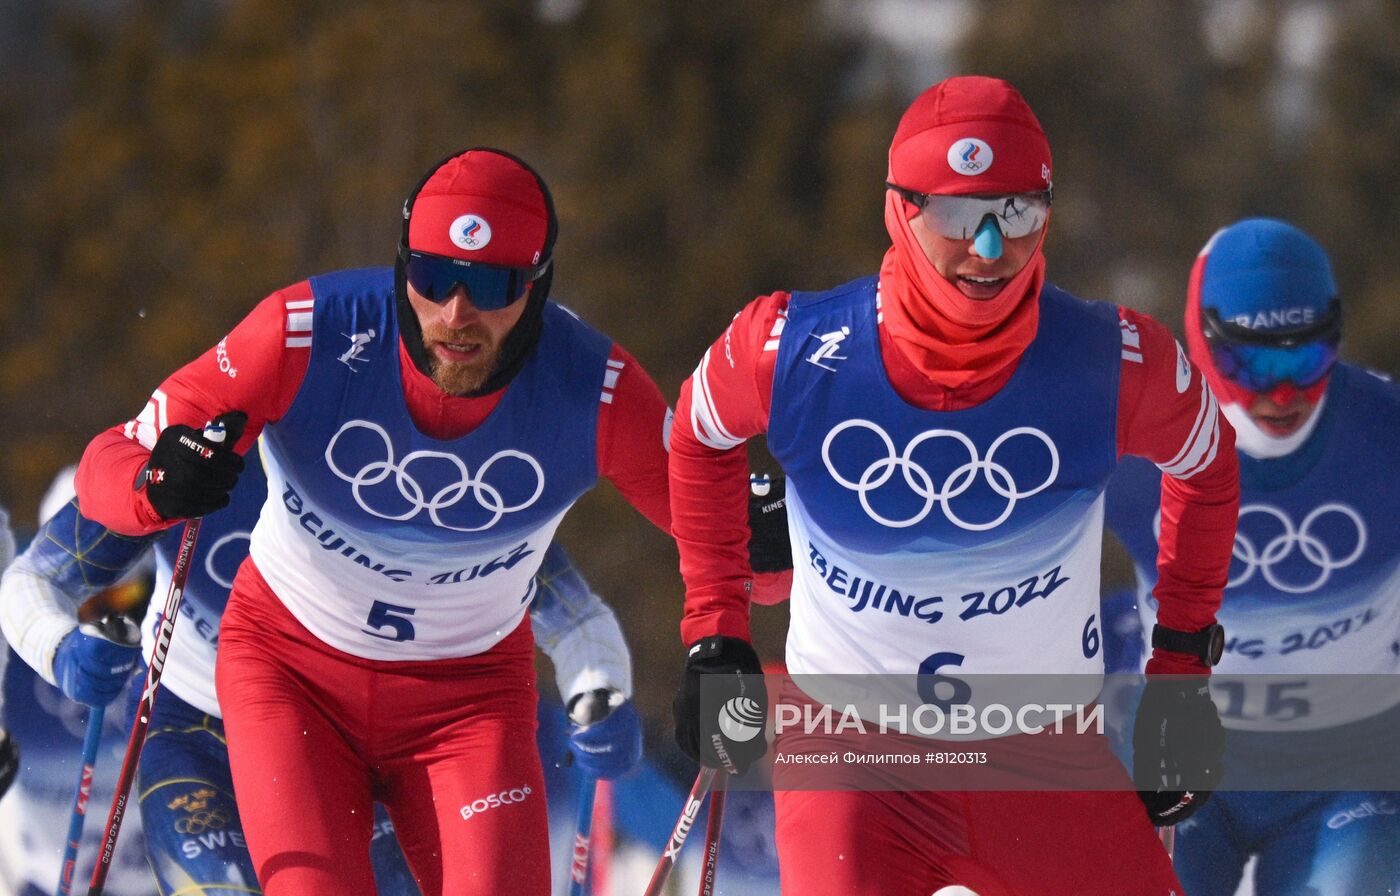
1207,645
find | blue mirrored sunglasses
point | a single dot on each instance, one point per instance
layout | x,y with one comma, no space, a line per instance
489,287
1259,360
1260,369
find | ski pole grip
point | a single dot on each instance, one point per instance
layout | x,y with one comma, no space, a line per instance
227,427
114,627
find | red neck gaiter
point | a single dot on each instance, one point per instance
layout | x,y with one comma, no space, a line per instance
955,341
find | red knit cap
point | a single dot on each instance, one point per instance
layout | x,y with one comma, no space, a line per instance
481,206
970,134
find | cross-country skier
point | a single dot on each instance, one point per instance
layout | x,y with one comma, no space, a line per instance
194,835
375,646
1315,582
36,815
947,428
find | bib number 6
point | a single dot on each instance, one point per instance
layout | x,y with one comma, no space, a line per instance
1089,639
941,690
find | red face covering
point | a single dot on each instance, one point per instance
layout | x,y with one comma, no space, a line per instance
955,341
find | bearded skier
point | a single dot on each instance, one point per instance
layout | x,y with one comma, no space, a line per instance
375,646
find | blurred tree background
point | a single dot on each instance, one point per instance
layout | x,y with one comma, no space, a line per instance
164,164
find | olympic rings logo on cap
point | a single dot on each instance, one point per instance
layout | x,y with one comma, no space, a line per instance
486,496
470,232
1279,548
969,156
920,481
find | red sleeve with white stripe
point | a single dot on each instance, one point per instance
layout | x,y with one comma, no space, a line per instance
632,433
257,368
724,403
1167,414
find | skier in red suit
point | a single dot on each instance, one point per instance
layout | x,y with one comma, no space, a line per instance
946,429
424,428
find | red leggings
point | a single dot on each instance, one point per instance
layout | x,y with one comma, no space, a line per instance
316,736
908,830
891,843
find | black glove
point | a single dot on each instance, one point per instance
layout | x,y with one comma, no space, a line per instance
1178,747
190,473
721,725
770,549
9,761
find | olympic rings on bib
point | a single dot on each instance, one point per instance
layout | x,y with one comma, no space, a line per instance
486,496
212,565
957,482
1281,546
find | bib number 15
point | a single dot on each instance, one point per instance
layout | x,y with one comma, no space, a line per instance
390,622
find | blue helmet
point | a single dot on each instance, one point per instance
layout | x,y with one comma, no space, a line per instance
1264,309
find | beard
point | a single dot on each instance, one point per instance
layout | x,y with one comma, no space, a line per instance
461,378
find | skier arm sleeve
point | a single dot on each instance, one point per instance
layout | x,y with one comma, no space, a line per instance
577,631
70,559
633,425
1167,414
257,369
723,403
7,553
7,539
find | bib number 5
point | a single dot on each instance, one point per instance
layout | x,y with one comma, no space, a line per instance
392,617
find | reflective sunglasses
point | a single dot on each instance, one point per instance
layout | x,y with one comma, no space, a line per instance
958,217
1260,360
490,287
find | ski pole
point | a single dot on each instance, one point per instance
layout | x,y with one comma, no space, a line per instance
119,630
712,831
91,739
578,867
682,830
601,840
217,432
